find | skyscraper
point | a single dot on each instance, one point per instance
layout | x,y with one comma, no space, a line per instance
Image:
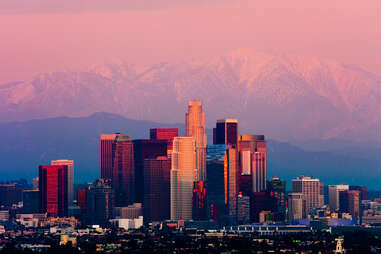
145,149
53,185
334,195
99,203
259,171
231,182
296,206
70,178
277,189
350,202
106,141
312,191
226,132
363,191
183,171
123,176
195,127
157,189
215,166
165,134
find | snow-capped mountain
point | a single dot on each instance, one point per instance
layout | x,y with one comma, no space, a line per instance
283,96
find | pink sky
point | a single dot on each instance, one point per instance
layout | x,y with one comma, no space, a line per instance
43,39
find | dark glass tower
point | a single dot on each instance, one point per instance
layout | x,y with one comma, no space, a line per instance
215,169
99,203
123,177
226,132
156,205
145,149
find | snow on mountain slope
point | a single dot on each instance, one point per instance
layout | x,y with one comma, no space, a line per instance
283,96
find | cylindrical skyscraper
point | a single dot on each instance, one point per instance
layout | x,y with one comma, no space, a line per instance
195,127
182,177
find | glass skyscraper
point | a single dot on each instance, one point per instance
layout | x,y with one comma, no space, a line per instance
53,185
183,174
195,127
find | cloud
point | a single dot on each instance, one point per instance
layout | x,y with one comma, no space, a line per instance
59,6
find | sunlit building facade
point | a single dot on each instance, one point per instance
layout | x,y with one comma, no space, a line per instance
195,127
70,177
53,186
183,174
106,161
259,171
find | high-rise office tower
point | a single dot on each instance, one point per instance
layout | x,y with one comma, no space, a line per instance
195,127
231,182
277,189
243,209
106,141
252,143
296,206
157,189
222,183
350,202
215,166
165,134
183,172
123,176
99,203
226,132
145,149
312,190
334,195
253,160
259,171
363,191
53,186
70,178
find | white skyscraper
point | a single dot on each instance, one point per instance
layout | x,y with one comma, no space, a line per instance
183,173
70,176
195,127
296,206
259,171
312,189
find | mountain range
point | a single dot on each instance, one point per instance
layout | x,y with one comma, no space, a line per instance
25,145
285,97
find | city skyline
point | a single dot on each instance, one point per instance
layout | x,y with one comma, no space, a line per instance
177,126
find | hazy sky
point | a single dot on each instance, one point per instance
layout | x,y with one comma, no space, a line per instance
49,35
